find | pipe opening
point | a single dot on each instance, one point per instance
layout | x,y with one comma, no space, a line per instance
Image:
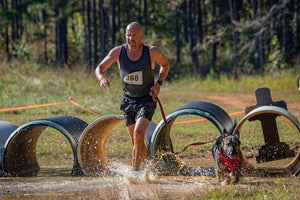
54,154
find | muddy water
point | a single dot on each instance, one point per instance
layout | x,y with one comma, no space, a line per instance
120,183
53,183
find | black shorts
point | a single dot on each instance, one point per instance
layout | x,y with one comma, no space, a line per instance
134,108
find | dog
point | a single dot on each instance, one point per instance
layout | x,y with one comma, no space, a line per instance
228,158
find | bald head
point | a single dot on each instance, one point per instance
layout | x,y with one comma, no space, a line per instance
135,25
134,36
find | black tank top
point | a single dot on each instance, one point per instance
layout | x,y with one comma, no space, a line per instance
137,76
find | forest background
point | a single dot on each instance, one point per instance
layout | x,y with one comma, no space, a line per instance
200,37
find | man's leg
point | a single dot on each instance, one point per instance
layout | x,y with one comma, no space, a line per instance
130,129
139,151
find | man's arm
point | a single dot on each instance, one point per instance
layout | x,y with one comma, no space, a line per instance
112,57
158,57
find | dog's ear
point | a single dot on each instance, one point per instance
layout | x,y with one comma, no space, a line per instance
235,122
225,133
236,135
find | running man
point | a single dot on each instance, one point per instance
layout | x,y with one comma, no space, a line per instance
136,62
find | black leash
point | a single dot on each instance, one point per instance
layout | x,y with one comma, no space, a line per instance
165,121
193,144
171,144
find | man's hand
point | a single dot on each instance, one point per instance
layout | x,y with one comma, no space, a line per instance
154,91
104,83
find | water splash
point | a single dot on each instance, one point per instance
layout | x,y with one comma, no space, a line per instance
146,175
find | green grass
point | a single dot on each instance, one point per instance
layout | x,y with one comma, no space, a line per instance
25,84
279,188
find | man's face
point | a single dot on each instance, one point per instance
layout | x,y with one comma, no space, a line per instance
134,37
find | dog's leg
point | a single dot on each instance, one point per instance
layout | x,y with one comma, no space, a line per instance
226,179
235,177
217,171
238,172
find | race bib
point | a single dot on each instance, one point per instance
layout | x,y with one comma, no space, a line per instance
135,78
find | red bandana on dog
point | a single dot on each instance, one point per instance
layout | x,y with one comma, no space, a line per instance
230,164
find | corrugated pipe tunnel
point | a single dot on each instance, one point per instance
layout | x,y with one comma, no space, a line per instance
18,144
92,143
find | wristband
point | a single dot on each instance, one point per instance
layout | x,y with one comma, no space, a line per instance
159,82
102,79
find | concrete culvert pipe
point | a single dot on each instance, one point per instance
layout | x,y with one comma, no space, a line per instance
6,129
160,140
91,147
18,156
294,166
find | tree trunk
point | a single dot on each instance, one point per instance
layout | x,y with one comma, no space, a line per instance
19,18
95,36
102,29
260,39
185,21
44,18
204,18
88,47
252,37
107,30
61,45
214,48
57,35
13,23
145,15
176,21
272,25
6,37
259,53
191,36
118,24
199,21
64,40
127,15
234,16
113,22
298,26
139,9
287,34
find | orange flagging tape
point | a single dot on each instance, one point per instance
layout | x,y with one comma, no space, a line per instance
191,121
287,125
33,106
93,112
80,106
237,113
47,105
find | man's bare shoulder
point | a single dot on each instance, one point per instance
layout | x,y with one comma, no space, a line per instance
157,56
115,52
154,50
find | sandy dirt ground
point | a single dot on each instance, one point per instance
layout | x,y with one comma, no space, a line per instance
238,101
